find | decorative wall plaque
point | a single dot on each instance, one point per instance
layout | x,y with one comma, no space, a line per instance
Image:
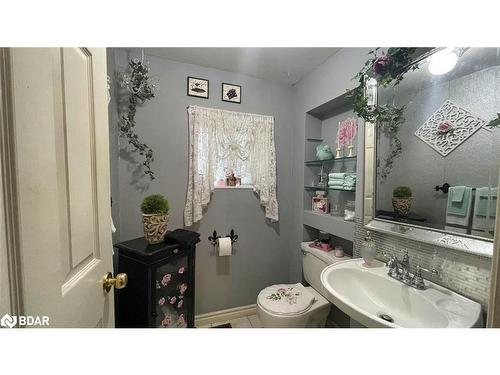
449,127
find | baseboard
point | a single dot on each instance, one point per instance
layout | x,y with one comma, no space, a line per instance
224,315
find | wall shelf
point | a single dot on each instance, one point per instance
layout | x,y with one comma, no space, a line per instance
333,160
335,225
327,188
321,126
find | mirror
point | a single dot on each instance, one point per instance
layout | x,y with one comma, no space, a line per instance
446,178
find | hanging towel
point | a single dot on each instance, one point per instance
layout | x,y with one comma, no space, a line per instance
459,208
457,194
458,213
484,218
483,195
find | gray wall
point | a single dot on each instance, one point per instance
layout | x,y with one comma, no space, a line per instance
264,254
323,84
464,273
263,251
474,163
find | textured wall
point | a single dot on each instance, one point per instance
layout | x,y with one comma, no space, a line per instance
464,273
474,163
263,251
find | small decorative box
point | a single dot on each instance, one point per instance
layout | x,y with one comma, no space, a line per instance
320,204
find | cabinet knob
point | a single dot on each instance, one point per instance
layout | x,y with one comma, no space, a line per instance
176,251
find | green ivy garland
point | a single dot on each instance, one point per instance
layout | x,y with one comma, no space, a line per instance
388,69
495,123
141,87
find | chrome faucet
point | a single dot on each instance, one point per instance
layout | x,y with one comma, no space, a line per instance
400,270
417,280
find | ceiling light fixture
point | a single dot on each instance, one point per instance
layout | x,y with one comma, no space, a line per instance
443,61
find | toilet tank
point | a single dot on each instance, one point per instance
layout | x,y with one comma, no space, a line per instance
314,262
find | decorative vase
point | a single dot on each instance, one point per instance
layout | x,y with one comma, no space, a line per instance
155,227
323,152
402,205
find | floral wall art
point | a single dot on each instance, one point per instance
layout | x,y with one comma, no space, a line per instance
345,135
449,127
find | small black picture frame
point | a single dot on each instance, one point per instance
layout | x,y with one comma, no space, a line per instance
231,93
198,87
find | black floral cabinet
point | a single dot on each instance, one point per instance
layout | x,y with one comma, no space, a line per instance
160,289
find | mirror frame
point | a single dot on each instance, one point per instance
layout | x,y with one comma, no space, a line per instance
451,240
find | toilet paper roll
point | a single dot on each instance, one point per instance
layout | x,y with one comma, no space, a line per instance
225,245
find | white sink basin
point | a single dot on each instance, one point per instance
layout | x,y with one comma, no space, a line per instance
367,293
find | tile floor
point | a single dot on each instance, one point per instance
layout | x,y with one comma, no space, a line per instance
251,321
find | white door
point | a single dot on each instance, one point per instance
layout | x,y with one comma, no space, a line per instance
62,163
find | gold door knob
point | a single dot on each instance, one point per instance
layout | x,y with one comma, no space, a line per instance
119,281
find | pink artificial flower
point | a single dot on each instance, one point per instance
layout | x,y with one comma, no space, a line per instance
166,279
381,65
183,287
181,270
166,321
179,305
172,300
445,127
281,290
181,321
161,302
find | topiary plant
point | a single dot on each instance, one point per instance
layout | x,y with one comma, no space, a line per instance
402,192
155,204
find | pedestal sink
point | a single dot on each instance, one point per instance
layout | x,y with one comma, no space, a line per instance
370,296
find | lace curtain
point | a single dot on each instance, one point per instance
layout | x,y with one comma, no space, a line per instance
219,140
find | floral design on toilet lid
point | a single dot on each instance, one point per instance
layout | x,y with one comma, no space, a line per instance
285,299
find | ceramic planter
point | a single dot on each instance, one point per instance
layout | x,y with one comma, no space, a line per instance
402,205
155,227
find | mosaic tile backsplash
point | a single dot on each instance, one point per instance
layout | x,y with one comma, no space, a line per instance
464,273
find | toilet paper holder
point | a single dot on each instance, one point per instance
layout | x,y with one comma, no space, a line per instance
214,237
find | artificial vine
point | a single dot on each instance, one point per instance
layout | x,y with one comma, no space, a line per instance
141,87
495,123
388,69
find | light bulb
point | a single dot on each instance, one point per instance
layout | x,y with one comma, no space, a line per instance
442,62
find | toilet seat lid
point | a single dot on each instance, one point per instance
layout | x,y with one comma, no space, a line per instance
286,299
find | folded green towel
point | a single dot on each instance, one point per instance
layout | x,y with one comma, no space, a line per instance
482,205
349,186
459,208
457,193
337,175
336,183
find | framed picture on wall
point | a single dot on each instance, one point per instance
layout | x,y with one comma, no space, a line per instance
231,93
197,87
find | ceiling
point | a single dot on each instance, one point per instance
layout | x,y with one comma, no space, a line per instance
285,65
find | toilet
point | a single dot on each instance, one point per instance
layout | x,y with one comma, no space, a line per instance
296,305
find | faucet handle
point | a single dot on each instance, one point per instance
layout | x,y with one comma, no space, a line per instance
417,280
419,270
406,257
